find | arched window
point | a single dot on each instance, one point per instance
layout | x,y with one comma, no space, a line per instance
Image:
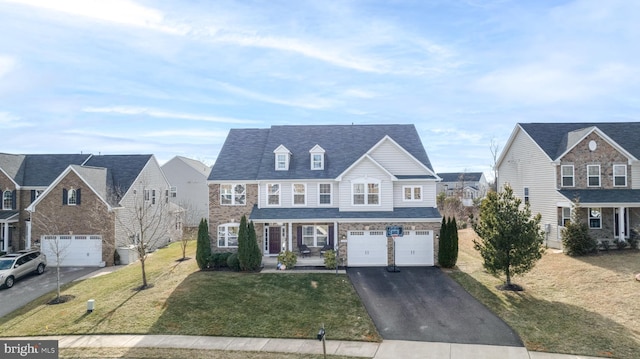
7,200
72,197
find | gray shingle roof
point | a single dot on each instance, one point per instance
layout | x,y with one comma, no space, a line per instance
330,214
38,170
553,138
588,196
122,170
247,154
456,176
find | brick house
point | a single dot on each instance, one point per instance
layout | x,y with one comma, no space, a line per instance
85,202
549,165
336,187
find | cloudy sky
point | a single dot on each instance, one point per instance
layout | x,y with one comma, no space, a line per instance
172,77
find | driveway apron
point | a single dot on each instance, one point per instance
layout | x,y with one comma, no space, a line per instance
424,304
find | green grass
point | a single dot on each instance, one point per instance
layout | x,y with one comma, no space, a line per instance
183,300
584,305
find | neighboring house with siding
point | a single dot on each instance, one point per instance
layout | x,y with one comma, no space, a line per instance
468,186
549,165
337,187
189,189
84,203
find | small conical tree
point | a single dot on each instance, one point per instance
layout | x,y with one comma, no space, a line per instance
243,244
255,257
442,250
203,248
454,242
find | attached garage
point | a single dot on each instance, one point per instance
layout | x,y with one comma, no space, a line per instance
367,249
414,248
75,251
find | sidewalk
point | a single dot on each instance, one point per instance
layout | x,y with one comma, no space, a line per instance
388,349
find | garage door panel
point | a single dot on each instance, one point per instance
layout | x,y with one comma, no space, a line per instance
366,249
73,250
415,249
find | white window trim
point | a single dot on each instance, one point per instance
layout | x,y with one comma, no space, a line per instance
293,194
366,183
526,195
233,194
147,195
330,194
285,162
599,176
562,176
226,234
315,234
72,194
412,199
614,175
600,218
564,218
173,191
4,200
269,194
313,162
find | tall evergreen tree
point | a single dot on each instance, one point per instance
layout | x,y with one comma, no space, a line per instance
511,241
254,249
454,242
203,248
243,244
442,240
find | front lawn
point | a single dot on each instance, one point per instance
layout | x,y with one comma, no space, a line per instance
579,305
185,301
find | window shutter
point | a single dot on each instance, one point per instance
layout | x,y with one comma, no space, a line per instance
13,199
33,195
64,196
299,239
331,237
78,196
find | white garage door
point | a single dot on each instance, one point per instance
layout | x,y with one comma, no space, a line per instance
415,248
74,251
366,249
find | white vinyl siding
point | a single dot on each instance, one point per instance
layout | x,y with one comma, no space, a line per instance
396,160
366,172
526,165
428,194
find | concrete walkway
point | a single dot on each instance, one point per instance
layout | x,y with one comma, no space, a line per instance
388,349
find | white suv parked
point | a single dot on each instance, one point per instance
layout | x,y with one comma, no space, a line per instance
16,265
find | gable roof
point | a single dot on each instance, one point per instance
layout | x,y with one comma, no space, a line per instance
122,170
38,170
456,176
247,154
555,138
195,164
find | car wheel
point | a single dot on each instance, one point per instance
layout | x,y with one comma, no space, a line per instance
9,282
40,269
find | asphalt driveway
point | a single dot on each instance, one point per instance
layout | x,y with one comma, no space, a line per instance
424,304
32,286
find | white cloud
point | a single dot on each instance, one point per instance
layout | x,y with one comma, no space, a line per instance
129,110
309,102
188,133
7,64
123,12
8,120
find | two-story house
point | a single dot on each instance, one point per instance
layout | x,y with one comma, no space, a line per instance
333,186
84,205
550,165
189,188
468,186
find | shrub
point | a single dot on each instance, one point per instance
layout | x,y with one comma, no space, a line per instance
604,245
330,261
575,236
448,243
116,257
219,260
620,244
633,241
288,258
233,262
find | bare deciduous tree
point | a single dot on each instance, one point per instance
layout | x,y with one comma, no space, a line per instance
494,147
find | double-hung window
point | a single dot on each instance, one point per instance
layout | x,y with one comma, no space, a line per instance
366,193
593,175
595,218
315,236
566,216
299,194
228,235
567,175
273,194
173,191
619,175
526,195
324,193
233,194
412,193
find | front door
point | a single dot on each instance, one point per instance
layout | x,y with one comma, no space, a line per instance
616,224
274,240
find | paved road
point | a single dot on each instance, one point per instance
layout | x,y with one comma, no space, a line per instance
423,304
33,286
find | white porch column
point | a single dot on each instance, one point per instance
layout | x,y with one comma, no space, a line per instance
290,236
335,236
621,221
28,246
5,234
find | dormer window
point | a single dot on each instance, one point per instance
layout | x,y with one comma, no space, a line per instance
282,159
317,158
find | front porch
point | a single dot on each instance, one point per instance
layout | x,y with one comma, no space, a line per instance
271,262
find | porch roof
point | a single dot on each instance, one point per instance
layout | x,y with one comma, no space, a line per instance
417,214
8,216
604,197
